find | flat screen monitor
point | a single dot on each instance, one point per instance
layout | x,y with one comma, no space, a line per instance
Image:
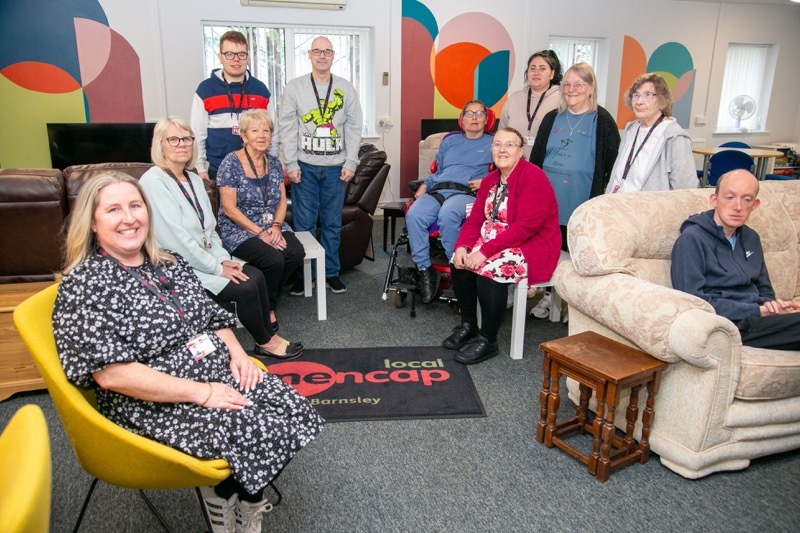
82,144
429,126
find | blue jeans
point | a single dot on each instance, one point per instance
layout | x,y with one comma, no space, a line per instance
424,212
320,193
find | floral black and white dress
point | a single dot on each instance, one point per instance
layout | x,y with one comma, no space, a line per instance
508,265
103,315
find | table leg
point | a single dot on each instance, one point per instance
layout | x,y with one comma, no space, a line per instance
604,466
543,395
385,228
647,420
553,402
704,181
631,415
322,293
583,407
597,426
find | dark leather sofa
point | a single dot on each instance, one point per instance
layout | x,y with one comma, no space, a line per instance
34,204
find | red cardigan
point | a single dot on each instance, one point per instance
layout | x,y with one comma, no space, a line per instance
532,220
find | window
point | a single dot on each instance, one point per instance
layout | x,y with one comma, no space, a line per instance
573,50
746,87
279,54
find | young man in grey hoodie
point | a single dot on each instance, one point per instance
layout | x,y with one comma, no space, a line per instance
320,126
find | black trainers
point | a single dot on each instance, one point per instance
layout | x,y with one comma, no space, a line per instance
297,288
335,285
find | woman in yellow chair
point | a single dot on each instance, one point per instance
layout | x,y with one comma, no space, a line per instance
133,321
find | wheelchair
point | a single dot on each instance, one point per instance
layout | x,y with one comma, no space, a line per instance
404,280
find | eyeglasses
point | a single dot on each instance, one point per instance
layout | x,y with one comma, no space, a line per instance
507,146
316,52
470,114
576,86
175,141
230,55
642,96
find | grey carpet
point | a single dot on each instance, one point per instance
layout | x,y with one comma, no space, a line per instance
476,474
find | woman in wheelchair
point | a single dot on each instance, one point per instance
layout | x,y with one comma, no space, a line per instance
133,322
461,162
511,233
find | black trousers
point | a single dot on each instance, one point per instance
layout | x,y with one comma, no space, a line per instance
778,332
471,288
276,265
252,303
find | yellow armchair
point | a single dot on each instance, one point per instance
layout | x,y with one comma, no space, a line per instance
104,449
25,473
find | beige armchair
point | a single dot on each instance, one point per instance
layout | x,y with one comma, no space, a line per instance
720,404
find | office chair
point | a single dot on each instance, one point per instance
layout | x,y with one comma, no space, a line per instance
25,473
105,450
725,161
734,144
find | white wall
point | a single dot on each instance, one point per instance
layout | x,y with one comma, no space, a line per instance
168,37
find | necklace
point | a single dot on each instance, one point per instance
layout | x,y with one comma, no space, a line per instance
569,122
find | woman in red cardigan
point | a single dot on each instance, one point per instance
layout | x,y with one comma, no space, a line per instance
512,233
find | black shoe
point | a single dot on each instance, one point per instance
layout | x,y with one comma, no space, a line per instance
335,285
428,284
291,350
298,289
461,336
477,351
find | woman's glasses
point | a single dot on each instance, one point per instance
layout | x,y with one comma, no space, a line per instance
470,114
176,141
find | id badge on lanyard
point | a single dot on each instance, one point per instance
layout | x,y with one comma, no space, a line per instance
200,346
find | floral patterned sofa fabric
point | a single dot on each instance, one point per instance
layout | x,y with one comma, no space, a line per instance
720,404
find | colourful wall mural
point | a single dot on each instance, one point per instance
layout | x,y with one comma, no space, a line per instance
673,62
61,62
470,56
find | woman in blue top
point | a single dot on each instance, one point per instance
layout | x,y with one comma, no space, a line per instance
253,212
577,144
576,147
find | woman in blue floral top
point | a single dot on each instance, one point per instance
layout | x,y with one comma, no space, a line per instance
253,197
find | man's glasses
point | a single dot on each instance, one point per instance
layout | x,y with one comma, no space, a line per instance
507,146
470,114
576,86
175,141
230,55
316,52
642,96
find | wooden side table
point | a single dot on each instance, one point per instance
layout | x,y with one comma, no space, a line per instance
391,212
605,367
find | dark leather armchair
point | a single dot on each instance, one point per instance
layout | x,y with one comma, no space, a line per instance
360,201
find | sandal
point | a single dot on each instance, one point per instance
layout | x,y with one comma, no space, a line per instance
287,350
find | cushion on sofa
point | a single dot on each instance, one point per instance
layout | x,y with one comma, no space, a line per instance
768,374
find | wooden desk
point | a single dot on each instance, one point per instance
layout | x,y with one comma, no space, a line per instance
760,157
606,367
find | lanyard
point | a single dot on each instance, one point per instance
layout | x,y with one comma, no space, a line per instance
231,101
322,108
255,173
631,155
528,108
158,288
196,204
499,195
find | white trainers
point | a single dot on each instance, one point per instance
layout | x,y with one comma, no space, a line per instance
542,308
250,514
221,513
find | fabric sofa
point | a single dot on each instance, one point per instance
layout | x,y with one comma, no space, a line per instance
720,404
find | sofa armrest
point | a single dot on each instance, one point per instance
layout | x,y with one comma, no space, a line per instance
668,324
